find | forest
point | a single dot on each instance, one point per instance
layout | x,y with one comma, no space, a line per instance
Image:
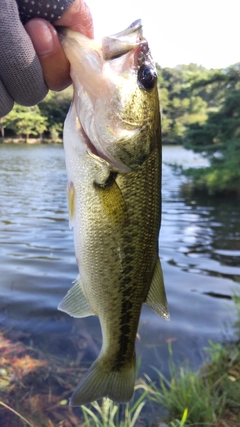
200,109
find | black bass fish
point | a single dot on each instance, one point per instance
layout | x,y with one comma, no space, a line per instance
112,142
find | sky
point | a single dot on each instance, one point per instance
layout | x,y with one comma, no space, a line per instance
205,32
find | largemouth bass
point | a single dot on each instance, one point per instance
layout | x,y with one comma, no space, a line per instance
112,142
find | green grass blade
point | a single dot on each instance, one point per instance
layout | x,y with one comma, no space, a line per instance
184,417
136,414
91,413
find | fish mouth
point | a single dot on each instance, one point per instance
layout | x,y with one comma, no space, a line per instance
123,42
117,44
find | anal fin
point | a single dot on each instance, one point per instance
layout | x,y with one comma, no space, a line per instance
75,303
156,298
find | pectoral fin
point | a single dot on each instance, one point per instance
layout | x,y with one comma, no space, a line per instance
112,201
75,303
156,298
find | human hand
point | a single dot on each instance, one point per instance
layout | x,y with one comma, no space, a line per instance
32,59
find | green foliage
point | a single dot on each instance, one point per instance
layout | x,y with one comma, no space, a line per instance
46,118
55,107
236,326
55,131
182,422
219,136
26,121
210,397
201,109
187,393
179,105
107,414
222,177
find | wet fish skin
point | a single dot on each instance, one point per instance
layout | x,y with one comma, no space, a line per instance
114,206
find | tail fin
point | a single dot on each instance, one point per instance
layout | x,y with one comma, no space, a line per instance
100,381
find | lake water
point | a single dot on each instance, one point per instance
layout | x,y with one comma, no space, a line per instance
199,249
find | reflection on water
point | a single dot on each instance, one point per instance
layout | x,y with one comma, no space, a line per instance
199,248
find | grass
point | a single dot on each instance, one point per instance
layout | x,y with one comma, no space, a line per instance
190,393
108,414
208,398
35,386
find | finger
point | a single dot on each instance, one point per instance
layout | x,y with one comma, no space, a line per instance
78,18
48,47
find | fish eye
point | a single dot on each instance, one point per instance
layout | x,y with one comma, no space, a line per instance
147,76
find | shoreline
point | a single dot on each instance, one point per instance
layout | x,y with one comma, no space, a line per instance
35,141
30,141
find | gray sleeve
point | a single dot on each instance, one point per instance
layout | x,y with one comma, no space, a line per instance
21,76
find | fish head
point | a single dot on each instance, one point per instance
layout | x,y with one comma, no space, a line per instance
115,96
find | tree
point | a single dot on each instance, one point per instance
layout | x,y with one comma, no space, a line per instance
55,107
26,121
219,136
2,126
180,105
